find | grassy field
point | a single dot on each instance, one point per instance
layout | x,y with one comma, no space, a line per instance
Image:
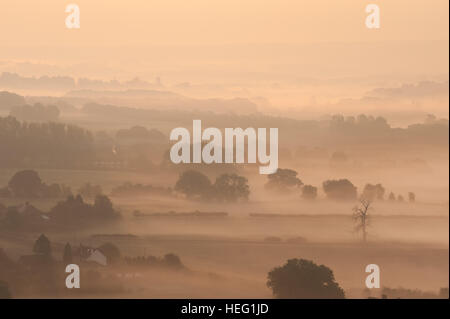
221,267
229,257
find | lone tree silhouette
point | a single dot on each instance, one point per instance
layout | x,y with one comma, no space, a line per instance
194,184
361,217
392,197
374,192
341,189
283,180
309,192
42,246
231,187
301,278
67,257
26,183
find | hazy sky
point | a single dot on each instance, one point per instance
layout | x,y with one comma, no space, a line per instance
150,22
236,43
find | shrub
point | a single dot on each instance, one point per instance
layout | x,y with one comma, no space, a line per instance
301,278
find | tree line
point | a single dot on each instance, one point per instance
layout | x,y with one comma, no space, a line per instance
233,187
44,144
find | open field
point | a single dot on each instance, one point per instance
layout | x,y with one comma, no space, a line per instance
229,255
221,267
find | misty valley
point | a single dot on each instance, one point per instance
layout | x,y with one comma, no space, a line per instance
95,187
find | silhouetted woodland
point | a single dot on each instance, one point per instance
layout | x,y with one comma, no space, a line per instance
28,184
44,144
72,212
227,187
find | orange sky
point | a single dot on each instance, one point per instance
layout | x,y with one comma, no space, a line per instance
151,22
233,47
